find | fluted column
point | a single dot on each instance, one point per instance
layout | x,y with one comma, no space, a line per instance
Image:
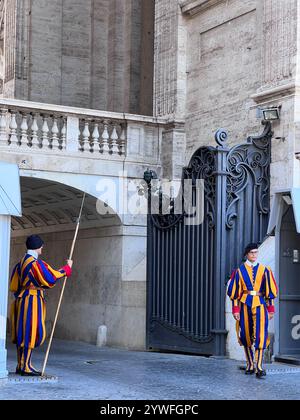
130,56
279,34
170,83
170,60
4,264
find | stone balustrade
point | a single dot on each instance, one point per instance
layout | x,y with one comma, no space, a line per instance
53,128
58,129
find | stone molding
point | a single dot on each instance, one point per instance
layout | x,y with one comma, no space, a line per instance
275,92
193,7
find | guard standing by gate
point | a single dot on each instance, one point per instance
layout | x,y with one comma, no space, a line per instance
29,279
253,288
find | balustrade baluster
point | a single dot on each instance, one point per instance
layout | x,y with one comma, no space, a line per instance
105,138
122,143
55,132
13,137
46,141
85,144
3,127
35,141
114,147
24,131
63,138
96,136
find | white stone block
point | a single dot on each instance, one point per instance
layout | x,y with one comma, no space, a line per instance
5,223
102,336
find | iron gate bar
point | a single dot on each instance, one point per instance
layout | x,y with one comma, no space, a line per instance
188,265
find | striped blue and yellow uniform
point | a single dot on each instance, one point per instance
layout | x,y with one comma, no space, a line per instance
29,279
252,329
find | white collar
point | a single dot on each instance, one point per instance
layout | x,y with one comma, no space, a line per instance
32,253
250,264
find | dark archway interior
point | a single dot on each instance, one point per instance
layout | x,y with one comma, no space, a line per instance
50,207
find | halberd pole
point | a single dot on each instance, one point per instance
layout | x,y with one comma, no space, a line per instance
63,288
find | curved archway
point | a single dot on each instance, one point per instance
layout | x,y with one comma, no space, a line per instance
100,289
90,184
49,206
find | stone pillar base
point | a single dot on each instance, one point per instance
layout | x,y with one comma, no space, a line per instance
3,357
5,222
173,151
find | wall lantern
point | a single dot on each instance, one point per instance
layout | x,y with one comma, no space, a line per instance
271,114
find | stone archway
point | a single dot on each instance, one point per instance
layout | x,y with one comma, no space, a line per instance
106,288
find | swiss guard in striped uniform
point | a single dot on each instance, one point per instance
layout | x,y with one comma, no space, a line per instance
253,288
29,279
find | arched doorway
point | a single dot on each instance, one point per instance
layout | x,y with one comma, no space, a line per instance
101,291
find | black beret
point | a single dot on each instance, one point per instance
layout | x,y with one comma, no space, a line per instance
250,247
34,242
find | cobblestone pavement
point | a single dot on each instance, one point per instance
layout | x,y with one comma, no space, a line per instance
86,372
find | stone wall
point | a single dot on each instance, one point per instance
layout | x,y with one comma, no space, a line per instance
223,71
93,54
216,63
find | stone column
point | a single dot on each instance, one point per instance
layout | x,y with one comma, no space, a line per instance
170,83
4,264
129,50
279,34
170,60
10,49
16,51
99,54
173,144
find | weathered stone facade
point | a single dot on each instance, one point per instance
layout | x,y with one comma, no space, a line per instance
217,62
93,54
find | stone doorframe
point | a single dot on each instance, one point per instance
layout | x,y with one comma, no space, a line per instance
10,205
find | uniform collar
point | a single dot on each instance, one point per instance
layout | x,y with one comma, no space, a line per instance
250,264
33,253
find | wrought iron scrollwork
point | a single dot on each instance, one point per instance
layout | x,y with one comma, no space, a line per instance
202,166
221,137
167,221
249,162
188,263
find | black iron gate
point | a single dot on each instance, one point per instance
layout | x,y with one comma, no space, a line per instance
189,259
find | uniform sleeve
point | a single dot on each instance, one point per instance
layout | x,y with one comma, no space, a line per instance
270,306
45,276
234,291
15,279
271,290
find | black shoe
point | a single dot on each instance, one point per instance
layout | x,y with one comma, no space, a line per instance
249,371
35,371
261,374
31,374
18,371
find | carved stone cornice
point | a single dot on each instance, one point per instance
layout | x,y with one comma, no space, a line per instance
276,92
193,7
178,124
